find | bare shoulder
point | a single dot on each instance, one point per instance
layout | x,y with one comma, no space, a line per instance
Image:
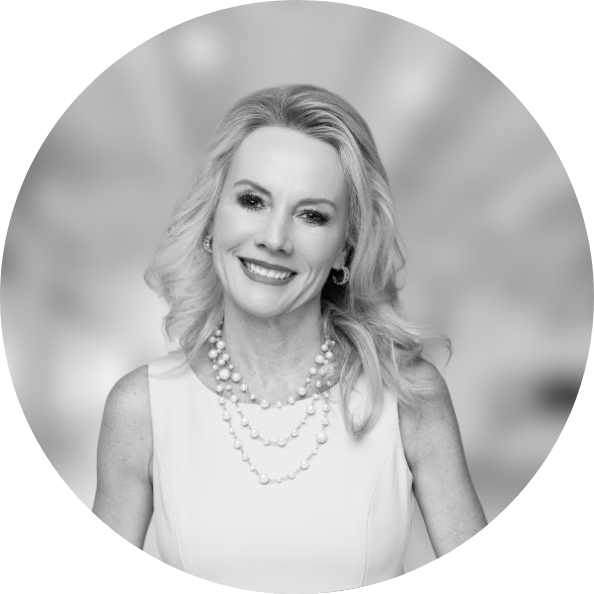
126,430
128,400
430,423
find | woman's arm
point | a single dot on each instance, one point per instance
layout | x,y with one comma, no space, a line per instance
441,481
124,498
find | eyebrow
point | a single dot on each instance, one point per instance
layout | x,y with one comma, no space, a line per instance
304,201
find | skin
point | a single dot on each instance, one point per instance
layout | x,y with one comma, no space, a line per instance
284,202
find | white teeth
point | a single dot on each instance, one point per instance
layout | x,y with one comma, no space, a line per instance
266,272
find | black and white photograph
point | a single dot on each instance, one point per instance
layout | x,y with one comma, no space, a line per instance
296,298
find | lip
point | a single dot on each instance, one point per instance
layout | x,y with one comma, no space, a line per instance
267,265
262,279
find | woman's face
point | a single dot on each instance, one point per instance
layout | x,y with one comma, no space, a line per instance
280,223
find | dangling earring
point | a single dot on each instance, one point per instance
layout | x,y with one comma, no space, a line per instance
346,274
207,244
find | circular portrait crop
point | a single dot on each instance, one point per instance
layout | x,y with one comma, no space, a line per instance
305,311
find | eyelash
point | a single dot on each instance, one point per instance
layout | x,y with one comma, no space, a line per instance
245,198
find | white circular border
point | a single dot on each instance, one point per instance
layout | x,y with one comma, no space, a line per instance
53,50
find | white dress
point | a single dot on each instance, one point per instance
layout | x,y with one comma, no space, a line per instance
342,523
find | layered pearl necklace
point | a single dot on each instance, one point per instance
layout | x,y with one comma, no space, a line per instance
225,371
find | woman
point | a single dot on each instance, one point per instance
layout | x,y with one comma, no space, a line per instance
281,443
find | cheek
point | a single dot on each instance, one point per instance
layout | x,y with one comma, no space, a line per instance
320,253
230,229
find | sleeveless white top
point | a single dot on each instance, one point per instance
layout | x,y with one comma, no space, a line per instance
342,523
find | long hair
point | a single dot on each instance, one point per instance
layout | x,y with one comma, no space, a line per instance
364,316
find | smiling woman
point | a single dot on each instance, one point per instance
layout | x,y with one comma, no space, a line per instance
280,444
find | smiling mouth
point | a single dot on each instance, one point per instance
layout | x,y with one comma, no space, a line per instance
270,274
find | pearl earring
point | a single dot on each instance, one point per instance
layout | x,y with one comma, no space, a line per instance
207,244
346,274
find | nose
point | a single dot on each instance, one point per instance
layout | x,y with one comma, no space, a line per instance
275,235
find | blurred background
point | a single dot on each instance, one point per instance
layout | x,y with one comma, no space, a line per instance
498,256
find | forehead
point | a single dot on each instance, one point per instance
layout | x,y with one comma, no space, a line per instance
278,157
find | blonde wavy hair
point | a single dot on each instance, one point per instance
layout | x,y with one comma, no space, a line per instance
365,316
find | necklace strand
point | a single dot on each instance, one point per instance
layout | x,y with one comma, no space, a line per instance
225,372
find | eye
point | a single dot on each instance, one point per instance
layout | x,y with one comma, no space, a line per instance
250,201
314,217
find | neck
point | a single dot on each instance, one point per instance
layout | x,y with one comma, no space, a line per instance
267,346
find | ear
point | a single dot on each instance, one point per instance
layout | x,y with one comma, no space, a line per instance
341,258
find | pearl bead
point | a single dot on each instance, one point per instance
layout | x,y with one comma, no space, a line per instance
254,433
231,367
316,396
236,377
244,457
245,422
233,398
291,400
226,415
318,384
212,339
215,367
326,394
243,388
222,400
252,396
302,391
329,383
237,444
325,348
213,354
221,362
333,343
313,370
264,403
231,430
281,441
263,478
314,451
266,441
224,374
322,437
220,344
252,467
291,475
295,432
220,388
326,407
307,380
320,359
229,387
304,420
238,408
218,332
225,356
304,464
310,409
279,404
325,421
322,372
279,480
